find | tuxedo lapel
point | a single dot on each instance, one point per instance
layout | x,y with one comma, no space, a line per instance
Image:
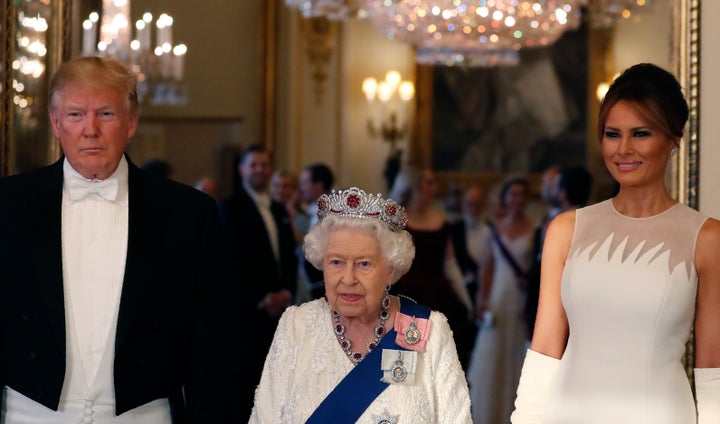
256,221
138,261
45,202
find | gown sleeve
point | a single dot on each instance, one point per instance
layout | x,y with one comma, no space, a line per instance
271,393
448,383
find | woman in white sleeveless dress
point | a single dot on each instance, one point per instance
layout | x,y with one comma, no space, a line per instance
625,280
501,340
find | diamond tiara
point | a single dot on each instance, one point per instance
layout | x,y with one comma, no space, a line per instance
355,203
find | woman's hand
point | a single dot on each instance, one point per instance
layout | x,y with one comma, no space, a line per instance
480,308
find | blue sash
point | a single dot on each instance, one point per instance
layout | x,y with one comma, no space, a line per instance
351,397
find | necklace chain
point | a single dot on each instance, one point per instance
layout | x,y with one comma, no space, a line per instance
379,331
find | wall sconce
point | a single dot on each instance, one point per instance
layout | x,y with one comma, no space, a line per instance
603,87
389,117
601,90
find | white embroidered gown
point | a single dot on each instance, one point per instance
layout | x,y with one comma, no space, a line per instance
306,362
497,356
628,288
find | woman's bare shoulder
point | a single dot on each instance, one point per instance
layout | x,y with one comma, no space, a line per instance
708,240
560,232
564,221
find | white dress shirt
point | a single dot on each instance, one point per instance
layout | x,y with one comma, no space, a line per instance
262,200
476,234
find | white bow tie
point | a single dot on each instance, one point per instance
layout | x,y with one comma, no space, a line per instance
79,188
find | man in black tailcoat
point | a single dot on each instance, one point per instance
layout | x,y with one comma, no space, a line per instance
263,265
112,287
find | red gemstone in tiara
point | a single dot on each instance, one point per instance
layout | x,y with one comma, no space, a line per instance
356,203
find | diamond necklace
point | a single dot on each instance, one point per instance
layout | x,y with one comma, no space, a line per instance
379,331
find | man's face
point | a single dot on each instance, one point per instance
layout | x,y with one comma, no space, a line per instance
93,126
256,171
474,202
549,187
282,188
309,191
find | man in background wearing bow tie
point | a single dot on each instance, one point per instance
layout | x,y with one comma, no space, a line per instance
112,281
263,265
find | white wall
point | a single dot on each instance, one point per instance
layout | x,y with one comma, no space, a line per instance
709,196
367,53
646,37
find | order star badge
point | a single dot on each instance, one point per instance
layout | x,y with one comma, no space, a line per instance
386,418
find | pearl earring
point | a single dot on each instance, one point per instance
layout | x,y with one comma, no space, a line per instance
673,151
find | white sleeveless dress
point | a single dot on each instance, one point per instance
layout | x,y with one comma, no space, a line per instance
497,356
628,288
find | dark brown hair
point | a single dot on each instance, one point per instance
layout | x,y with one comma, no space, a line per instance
654,93
512,181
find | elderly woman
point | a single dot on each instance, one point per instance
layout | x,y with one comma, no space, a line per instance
360,354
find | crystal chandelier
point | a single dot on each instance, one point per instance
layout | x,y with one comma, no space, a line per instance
473,32
605,13
160,70
29,62
331,9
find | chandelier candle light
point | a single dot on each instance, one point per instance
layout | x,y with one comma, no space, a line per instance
160,70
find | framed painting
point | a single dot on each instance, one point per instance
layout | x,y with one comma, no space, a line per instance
477,124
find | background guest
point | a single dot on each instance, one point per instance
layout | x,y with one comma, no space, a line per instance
263,264
499,348
435,278
208,186
158,167
315,180
469,236
574,185
284,189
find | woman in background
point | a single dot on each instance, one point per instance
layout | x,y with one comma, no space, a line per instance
501,340
435,278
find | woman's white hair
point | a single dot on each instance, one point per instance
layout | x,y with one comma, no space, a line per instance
396,246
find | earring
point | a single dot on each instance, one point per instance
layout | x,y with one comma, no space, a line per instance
385,302
673,151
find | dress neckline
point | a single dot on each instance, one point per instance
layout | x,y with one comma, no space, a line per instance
642,218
